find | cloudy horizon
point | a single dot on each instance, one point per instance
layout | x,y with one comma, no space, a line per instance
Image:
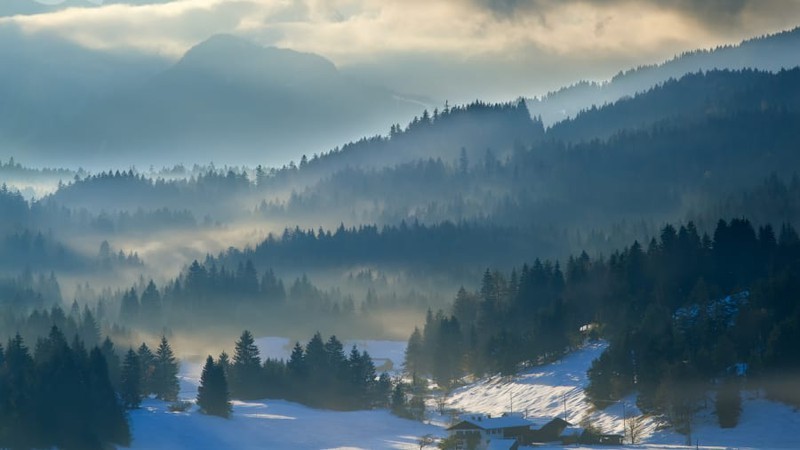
450,49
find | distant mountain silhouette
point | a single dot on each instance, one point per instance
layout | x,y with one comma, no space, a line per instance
45,81
771,52
228,96
692,98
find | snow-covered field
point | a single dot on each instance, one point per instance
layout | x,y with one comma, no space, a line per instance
554,390
276,424
273,425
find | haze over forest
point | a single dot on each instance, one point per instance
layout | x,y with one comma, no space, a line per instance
486,180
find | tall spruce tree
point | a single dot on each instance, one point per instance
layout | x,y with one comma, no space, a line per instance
130,309
130,385
112,360
399,404
413,354
108,419
147,367
212,395
224,361
17,425
150,310
246,369
165,375
89,329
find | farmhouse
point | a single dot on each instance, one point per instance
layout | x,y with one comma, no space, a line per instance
507,431
481,430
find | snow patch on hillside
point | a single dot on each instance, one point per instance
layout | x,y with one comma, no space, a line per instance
552,390
557,390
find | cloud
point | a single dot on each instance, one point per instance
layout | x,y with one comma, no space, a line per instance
512,34
711,11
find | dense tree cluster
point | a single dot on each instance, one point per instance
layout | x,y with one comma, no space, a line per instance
408,399
319,374
130,190
198,293
512,320
81,322
204,292
406,245
687,312
61,396
692,310
213,397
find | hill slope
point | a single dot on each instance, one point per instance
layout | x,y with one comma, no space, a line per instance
771,53
550,390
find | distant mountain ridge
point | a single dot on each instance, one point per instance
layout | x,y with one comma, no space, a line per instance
226,55
691,98
770,52
225,96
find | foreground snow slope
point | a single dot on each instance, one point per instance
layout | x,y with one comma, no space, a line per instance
549,390
273,424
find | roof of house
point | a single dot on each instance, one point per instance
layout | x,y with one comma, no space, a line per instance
538,422
501,444
493,423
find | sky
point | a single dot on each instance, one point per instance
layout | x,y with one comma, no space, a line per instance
441,49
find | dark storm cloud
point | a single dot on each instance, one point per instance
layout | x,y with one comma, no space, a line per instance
711,12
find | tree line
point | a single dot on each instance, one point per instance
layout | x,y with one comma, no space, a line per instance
74,393
319,374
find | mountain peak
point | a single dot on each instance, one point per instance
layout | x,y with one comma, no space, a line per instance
232,55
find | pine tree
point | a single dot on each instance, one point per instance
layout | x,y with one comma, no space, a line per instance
224,361
130,309
130,388
212,395
165,375
112,360
18,381
297,367
414,350
398,404
337,362
316,360
382,390
246,369
108,419
147,369
89,330
150,311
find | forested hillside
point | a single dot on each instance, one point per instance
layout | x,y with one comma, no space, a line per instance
771,53
685,313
